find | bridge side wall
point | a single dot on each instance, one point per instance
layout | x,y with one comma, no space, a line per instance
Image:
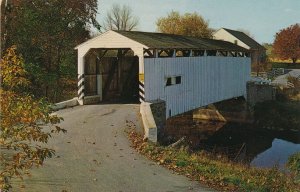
186,83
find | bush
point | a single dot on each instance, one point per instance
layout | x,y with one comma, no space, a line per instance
277,115
294,163
294,80
285,65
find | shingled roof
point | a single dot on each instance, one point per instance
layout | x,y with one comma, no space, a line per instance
168,41
245,39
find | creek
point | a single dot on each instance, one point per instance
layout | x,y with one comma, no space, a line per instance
244,143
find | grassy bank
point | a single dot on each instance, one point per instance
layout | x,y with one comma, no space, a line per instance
216,172
285,65
294,164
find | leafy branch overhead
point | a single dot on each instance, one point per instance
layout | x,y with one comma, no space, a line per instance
45,33
26,122
13,75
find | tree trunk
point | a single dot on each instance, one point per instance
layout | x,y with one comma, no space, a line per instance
257,68
58,75
46,91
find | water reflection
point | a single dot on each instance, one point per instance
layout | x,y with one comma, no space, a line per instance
240,142
276,155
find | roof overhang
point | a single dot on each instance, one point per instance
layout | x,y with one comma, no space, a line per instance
118,40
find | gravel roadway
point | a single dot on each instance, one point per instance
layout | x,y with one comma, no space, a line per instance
95,155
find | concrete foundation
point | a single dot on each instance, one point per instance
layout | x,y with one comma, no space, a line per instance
158,109
154,118
260,92
223,116
91,100
65,104
150,128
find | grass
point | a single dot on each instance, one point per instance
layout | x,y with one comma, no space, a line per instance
218,173
294,163
285,65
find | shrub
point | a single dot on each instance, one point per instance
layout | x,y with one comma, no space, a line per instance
294,163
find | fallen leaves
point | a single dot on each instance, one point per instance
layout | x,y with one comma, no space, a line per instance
216,173
96,162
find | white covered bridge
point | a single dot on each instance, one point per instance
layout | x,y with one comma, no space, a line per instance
185,72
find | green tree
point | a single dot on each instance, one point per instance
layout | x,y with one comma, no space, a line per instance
120,18
189,24
45,33
25,122
287,43
269,49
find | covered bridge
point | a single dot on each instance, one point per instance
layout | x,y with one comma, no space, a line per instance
185,72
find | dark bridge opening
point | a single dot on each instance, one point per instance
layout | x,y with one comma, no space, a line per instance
112,75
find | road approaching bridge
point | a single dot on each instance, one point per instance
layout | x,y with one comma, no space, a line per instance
95,155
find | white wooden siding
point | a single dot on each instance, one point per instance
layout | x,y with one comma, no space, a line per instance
109,40
204,80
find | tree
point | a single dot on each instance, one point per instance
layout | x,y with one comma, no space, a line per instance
120,18
189,24
45,33
25,122
287,43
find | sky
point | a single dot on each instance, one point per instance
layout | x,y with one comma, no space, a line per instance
262,18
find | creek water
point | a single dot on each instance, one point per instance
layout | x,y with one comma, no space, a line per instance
277,154
245,143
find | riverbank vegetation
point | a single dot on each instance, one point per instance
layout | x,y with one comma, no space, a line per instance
294,164
278,115
217,172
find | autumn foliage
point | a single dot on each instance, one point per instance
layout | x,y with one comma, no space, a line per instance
189,24
26,122
45,33
287,43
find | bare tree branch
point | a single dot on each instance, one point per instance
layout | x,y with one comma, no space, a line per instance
120,18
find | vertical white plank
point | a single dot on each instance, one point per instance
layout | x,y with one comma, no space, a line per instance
205,80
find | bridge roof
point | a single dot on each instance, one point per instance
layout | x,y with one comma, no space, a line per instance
168,41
